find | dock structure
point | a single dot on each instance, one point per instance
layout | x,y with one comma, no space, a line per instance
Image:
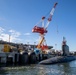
11,53
9,57
2,58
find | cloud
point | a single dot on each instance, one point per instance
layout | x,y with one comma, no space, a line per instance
14,33
27,34
14,36
15,39
4,37
11,31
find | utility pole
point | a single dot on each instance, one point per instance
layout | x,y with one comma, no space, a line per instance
9,37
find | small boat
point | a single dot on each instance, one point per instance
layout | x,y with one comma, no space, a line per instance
58,59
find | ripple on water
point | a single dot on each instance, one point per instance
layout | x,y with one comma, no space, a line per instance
58,69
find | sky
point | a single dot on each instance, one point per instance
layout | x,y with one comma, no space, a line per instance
18,17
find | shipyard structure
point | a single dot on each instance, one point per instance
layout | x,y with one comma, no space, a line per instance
27,53
18,53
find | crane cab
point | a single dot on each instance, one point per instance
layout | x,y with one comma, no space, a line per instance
40,30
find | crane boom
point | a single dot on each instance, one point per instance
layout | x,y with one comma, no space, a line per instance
51,14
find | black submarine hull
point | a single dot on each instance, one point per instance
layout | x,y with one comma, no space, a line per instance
58,59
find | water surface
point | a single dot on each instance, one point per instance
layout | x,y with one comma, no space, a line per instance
36,69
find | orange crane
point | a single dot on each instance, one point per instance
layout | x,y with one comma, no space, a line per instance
42,30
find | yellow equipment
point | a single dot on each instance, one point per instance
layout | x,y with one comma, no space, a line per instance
6,48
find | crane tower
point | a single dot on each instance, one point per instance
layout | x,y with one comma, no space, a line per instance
43,29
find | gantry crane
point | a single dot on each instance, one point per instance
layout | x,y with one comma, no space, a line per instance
42,30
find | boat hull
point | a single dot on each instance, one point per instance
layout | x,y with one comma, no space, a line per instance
58,59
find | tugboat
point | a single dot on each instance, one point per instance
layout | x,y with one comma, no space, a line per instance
66,57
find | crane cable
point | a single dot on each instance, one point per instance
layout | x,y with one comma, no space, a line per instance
41,19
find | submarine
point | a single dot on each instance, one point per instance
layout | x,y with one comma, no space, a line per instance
58,59
66,57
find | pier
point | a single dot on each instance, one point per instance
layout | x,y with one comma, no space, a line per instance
9,57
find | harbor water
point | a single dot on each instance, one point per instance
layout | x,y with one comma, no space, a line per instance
37,69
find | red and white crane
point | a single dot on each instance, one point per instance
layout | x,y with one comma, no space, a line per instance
42,30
